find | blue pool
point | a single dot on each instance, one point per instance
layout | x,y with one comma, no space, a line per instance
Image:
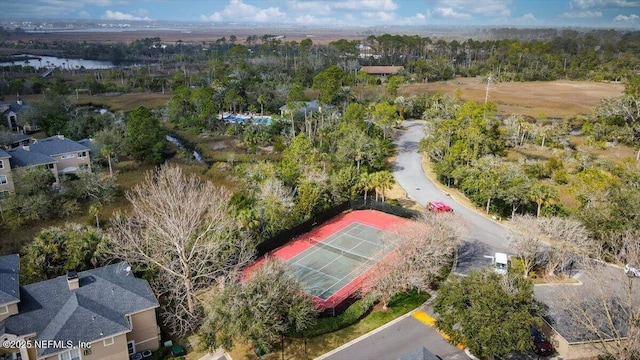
265,120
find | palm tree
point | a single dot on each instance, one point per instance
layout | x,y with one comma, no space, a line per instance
383,180
401,103
346,95
542,194
262,100
249,218
219,91
107,151
94,211
366,183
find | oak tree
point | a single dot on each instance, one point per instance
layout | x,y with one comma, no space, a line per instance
489,313
181,231
262,309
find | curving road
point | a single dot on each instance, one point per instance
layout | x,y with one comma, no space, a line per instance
485,237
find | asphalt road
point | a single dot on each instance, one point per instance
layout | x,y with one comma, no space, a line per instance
396,340
485,237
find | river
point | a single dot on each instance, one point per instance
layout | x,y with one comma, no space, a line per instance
53,62
177,143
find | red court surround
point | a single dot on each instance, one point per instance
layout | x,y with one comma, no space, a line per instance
373,218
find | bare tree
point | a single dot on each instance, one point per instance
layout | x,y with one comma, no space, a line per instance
527,243
604,310
569,240
180,231
424,247
553,242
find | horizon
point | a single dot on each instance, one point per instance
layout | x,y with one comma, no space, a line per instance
616,14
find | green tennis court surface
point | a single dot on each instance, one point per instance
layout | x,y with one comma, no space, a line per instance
334,262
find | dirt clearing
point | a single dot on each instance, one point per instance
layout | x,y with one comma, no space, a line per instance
559,98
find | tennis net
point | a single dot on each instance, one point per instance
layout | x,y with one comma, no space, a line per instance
340,251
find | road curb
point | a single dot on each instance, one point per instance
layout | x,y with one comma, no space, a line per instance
372,332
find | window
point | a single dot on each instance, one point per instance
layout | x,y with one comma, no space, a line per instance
131,347
3,179
68,156
1,164
130,321
49,166
71,354
82,154
108,341
4,310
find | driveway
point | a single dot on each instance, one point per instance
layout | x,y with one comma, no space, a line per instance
486,237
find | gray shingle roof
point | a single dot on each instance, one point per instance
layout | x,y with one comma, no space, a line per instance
9,282
85,142
95,310
600,284
4,154
14,106
55,145
21,158
21,137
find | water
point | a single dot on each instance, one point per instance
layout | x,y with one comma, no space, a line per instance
177,143
265,120
66,64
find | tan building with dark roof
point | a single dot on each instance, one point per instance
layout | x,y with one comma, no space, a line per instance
382,70
100,314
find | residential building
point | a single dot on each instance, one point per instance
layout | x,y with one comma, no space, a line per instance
585,318
9,286
60,155
6,178
100,314
10,112
70,156
382,70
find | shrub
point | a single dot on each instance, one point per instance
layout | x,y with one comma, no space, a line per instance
353,313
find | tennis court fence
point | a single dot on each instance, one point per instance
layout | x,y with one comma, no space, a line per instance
285,236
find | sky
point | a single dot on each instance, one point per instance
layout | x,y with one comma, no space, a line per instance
331,13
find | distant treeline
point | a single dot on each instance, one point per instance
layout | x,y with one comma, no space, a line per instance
516,54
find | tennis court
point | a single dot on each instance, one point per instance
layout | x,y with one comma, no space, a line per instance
334,262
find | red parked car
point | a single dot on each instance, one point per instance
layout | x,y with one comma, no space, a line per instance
438,206
541,346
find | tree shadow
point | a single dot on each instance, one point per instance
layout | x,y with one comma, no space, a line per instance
471,255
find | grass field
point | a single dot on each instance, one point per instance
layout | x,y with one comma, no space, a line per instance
553,98
126,102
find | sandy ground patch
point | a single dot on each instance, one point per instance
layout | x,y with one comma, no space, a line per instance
559,98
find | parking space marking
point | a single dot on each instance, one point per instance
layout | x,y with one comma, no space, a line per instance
424,318
429,320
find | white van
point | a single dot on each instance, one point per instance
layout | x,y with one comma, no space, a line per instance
500,263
